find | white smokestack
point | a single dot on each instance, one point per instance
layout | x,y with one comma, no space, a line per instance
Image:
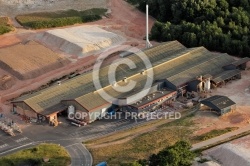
148,44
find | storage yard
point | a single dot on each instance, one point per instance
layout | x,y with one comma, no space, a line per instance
80,40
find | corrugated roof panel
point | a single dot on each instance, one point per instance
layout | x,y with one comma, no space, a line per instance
225,75
170,60
218,102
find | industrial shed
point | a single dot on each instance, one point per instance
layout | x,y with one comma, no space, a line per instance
226,76
174,67
220,104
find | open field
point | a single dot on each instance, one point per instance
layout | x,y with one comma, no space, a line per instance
60,18
55,154
24,63
5,27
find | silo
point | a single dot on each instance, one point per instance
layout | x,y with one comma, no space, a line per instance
207,84
200,85
71,110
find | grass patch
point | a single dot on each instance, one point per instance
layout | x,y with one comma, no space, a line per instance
140,147
215,133
186,121
127,133
56,154
60,18
164,133
5,27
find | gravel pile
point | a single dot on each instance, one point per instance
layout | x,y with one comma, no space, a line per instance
80,40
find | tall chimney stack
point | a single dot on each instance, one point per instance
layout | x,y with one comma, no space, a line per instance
148,44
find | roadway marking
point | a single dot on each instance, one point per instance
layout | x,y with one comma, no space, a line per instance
19,147
3,146
21,139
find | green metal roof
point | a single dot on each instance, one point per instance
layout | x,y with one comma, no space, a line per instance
241,61
83,84
178,69
170,61
225,75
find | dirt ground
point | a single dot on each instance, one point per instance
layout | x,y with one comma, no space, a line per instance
239,92
244,142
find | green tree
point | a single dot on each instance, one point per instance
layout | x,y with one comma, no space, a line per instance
177,155
202,23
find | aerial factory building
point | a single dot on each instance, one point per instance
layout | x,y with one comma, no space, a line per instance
177,71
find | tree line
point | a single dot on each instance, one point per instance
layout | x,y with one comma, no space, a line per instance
219,25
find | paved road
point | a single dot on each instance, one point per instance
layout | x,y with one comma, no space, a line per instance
66,135
220,138
79,155
77,151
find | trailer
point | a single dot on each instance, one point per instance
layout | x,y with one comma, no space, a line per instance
77,122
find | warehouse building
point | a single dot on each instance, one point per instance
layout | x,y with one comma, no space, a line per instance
220,104
177,71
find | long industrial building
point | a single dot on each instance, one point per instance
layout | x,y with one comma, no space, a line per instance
177,71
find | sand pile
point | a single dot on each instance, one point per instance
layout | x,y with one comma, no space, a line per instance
231,155
80,40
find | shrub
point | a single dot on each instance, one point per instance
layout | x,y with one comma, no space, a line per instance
4,29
